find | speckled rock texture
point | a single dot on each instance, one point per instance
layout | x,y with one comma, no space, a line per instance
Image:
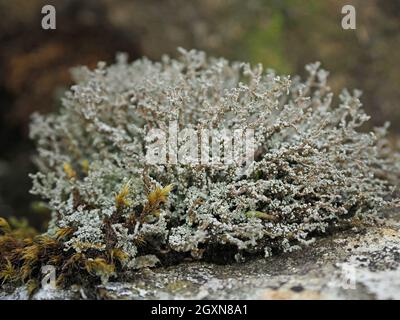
361,263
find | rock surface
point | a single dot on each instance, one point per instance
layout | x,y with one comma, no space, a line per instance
361,263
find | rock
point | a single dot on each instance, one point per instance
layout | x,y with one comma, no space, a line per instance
349,265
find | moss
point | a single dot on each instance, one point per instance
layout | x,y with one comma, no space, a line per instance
23,252
69,171
22,255
121,198
155,199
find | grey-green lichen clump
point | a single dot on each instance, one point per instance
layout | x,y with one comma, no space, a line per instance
313,169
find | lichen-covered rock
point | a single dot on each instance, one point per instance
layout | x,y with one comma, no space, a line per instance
309,168
360,263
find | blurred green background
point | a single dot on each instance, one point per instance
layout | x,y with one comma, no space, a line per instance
282,34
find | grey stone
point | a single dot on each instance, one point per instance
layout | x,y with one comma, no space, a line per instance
361,263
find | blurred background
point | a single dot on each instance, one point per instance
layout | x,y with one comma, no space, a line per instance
282,34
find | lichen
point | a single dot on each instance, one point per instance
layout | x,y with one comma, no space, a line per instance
313,169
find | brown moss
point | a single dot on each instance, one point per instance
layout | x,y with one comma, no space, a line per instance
121,198
21,258
23,252
154,200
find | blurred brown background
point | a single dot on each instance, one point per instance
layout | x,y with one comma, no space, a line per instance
282,34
